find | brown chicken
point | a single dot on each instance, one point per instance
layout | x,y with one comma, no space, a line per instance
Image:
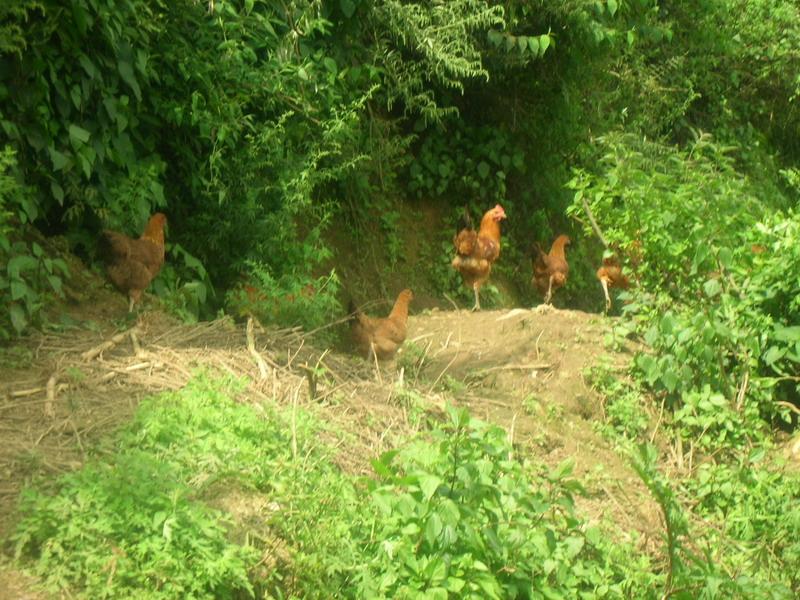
133,263
381,337
476,251
550,271
611,275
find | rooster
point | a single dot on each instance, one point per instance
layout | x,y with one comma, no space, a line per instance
476,251
611,275
550,271
381,337
133,263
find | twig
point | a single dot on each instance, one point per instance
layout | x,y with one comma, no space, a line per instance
375,359
511,437
538,354
658,421
594,224
742,391
97,350
453,302
788,405
28,392
450,364
531,366
77,437
294,421
290,359
49,408
137,349
251,348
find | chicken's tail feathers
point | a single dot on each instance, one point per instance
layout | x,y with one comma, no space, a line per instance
113,245
352,311
464,221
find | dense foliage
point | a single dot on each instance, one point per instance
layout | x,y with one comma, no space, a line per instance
278,137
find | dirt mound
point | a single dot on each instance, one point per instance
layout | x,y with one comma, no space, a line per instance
522,369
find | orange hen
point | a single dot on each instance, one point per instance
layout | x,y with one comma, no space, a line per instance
611,275
381,337
133,263
476,251
550,270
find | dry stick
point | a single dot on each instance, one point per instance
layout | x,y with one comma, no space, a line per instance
77,437
742,390
658,422
137,349
291,359
43,435
788,405
453,302
538,354
251,348
28,392
511,437
294,422
49,408
450,364
447,341
375,357
532,366
594,224
97,350
420,337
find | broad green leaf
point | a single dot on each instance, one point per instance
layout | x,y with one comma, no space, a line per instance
712,288
433,528
59,160
55,283
522,42
544,43
533,44
725,257
348,7
126,72
787,334
19,289
19,264
57,191
429,484
612,7
483,169
78,136
18,319
88,66
773,354
670,380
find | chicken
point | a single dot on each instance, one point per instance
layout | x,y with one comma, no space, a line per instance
133,263
381,337
476,251
550,271
611,275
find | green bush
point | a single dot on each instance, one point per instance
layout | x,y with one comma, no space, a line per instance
455,516
29,276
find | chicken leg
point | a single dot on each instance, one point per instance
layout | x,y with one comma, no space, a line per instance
549,291
477,306
604,283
